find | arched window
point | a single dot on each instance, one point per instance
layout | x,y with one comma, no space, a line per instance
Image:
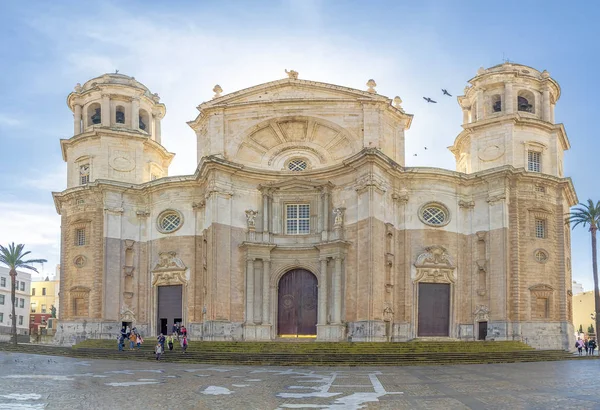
94,116
496,103
144,120
526,101
120,115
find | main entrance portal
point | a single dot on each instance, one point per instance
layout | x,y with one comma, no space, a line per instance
297,305
434,309
169,307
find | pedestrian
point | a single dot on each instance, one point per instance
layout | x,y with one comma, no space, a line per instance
120,339
139,340
592,346
170,342
579,345
174,328
132,340
158,350
161,341
183,331
184,344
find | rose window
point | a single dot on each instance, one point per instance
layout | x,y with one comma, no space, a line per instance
540,256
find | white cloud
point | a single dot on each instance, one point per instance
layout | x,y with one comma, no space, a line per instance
37,226
8,120
48,181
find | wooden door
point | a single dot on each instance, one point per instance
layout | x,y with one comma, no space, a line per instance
169,306
482,331
297,304
434,309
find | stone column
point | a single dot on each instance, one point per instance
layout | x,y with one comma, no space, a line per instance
157,136
509,102
337,291
135,114
552,113
266,288
546,105
265,217
325,202
77,120
105,111
250,291
323,292
465,115
480,105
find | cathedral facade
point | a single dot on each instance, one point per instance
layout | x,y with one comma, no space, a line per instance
302,219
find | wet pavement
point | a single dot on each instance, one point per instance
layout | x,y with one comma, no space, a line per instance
48,382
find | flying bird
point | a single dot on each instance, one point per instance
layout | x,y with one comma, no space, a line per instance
425,147
429,100
445,92
414,155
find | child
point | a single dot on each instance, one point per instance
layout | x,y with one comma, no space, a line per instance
170,340
158,351
139,341
184,344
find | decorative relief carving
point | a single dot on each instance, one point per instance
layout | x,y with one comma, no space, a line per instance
435,265
481,265
482,313
481,235
142,213
126,314
198,205
114,210
541,291
371,180
79,291
80,261
168,261
169,278
129,244
128,270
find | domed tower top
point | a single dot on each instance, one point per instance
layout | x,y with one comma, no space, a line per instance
116,101
508,88
116,132
508,119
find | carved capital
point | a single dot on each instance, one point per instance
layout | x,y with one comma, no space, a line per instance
142,213
492,199
466,204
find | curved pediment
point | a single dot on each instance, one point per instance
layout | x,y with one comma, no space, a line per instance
273,143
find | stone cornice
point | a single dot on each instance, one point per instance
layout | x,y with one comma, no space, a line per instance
517,119
99,132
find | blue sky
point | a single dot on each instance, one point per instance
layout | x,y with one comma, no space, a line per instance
182,49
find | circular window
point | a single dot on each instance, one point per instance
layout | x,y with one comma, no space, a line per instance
169,221
434,214
297,164
541,255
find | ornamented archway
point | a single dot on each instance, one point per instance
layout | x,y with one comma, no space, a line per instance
169,282
297,304
433,291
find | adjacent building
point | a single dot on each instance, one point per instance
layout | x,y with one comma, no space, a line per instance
44,304
22,300
302,219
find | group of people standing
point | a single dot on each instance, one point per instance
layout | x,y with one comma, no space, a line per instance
132,336
588,345
178,335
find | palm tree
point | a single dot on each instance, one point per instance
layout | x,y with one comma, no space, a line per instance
590,215
12,256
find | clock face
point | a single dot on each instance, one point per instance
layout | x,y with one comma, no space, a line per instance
84,169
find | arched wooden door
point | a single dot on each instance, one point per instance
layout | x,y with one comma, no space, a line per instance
297,304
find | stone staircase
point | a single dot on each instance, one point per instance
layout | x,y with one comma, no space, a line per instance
313,353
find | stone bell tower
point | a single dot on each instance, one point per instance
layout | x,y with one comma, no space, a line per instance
508,119
116,132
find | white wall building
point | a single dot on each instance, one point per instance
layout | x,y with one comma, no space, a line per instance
22,300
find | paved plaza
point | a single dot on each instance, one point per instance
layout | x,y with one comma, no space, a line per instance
48,382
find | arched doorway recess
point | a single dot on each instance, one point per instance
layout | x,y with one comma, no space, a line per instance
297,304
